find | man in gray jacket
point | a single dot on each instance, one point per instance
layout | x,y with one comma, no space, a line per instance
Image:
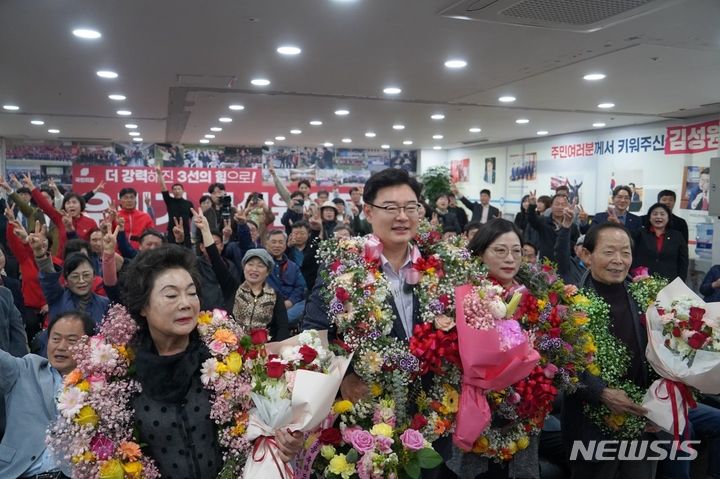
30,385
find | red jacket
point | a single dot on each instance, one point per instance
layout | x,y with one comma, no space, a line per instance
136,222
83,224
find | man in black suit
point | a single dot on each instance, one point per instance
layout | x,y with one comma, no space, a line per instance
607,251
481,212
668,198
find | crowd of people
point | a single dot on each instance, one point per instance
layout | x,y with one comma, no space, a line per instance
60,271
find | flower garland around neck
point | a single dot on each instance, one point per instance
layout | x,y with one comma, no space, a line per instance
613,360
95,428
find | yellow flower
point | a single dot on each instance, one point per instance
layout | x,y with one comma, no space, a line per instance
382,429
112,470
580,300
205,318
593,369
523,443
449,400
580,319
589,347
615,421
339,465
83,386
221,368
238,430
375,389
133,469
328,452
374,360
341,407
481,445
541,304
512,447
87,417
234,362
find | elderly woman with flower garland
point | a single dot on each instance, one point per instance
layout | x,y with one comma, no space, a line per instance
172,413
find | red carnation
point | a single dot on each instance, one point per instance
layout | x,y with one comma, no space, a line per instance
418,422
275,369
697,340
308,353
342,294
553,298
676,332
696,316
252,354
331,435
444,300
259,336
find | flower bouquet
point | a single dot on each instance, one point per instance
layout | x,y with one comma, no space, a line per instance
683,346
94,428
495,353
293,386
369,443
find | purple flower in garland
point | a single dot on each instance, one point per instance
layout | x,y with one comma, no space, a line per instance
409,364
436,307
547,343
374,335
336,306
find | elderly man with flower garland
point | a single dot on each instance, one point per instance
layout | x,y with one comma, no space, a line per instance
607,407
30,385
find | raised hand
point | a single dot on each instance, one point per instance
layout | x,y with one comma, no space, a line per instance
612,216
9,214
454,189
38,240
148,199
582,214
532,197
227,230
67,221
109,241
15,182
121,223
100,187
200,221
241,216
28,182
567,217
4,185
110,214
178,230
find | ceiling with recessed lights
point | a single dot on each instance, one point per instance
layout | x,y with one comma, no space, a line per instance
342,72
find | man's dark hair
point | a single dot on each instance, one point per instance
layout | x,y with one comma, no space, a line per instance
532,245
343,227
152,232
75,245
300,224
323,193
631,184
304,182
205,198
667,193
485,190
80,199
552,200
450,195
491,231
177,184
212,187
591,238
387,178
74,261
473,225
127,191
144,269
546,200
562,187
620,188
23,190
87,322
48,190
297,194
251,222
354,189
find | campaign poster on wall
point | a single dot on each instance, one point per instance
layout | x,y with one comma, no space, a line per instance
460,170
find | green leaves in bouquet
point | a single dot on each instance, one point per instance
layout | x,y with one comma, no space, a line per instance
435,181
426,458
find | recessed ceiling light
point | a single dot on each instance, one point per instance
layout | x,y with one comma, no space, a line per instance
370,134
280,138
522,121
295,132
260,82
342,112
11,107
106,74
236,107
134,133
606,105
437,147
316,123
599,124
542,132
347,140
407,142
475,130
216,128
507,99
209,136
437,116
289,50
269,143
455,63
392,90
225,119
138,139
594,76
117,97
204,141
37,122
398,127
124,112
53,130
327,144
131,126
385,147
86,33
437,137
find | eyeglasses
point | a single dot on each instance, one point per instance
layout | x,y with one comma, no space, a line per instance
411,209
75,277
503,251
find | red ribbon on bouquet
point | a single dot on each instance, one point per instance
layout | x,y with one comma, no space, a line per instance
269,443
686,401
